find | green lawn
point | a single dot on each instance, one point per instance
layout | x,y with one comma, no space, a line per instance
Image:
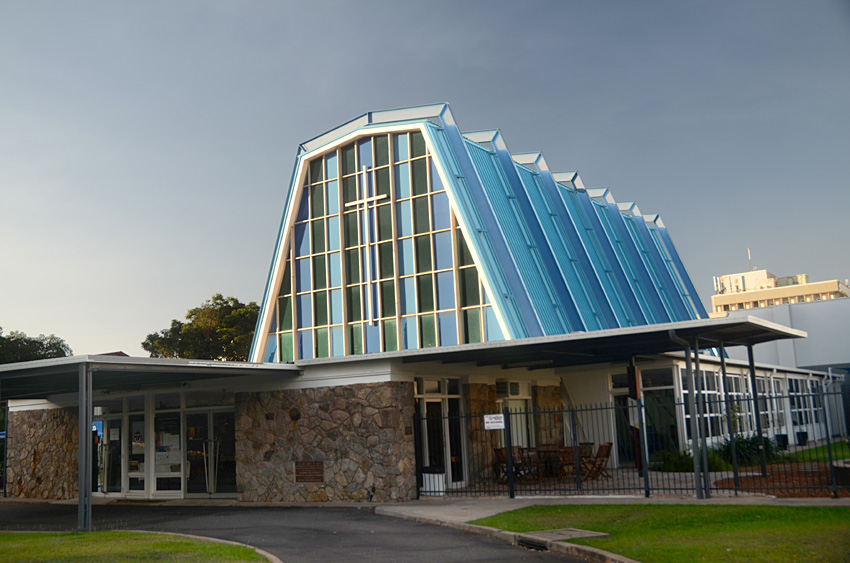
672,533
840,450
95,547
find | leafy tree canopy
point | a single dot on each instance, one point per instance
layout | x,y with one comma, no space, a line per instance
18,347
220,329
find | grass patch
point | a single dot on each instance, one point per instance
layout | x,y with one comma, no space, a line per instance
840,450
94,547
671,533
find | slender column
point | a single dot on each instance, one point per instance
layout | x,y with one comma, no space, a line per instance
731,423
702,422
757,410
692,408
85,449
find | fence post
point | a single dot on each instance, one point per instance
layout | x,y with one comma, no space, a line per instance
577,453
417,446
732,424
644,445
828,441
509,451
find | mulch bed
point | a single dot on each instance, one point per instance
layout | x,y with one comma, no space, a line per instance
786,480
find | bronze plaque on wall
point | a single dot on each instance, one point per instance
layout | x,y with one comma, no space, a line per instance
309,471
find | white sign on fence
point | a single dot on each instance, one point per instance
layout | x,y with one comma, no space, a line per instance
494,422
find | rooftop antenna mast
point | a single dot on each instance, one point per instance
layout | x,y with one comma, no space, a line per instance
749,259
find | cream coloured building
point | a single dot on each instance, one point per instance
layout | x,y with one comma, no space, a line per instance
761,288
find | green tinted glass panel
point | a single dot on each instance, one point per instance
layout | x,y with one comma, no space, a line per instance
349,166
428,331
285,304
320,306
349,189
286,347
286,284
351,226
352,266
420,176
318,236
353,305
386,259
320,277
423,253
322,347
316,170
382,150
388,299
471,326
417,144
317,200
469,294
355,339
420,215
390,336
464,256
425,292
382,180
385,222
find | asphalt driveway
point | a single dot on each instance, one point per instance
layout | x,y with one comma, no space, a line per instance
294,534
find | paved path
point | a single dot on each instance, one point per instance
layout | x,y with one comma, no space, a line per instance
294,534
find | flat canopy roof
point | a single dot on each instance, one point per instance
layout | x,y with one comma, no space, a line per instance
40,378
600,346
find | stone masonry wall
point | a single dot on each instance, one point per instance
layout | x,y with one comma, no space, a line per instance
42,454
361,434
549,424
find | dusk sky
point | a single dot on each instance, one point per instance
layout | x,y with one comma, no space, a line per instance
146,147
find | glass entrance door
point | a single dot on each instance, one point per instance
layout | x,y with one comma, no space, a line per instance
210,454
110,456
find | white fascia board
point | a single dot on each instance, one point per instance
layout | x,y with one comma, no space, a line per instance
629,208
601,195
466,230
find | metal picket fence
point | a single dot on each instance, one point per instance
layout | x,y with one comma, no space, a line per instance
639,447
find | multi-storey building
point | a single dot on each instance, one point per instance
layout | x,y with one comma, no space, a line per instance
760,288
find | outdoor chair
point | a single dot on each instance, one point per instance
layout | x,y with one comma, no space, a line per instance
567,461
596,466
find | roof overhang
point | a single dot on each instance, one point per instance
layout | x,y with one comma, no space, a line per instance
603,346
42,378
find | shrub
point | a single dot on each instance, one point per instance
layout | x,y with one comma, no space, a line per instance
747,448
674,461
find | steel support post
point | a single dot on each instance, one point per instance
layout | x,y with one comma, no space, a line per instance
826,414
692,408
757,410
509,450
703,426
85,449
644,445
731,424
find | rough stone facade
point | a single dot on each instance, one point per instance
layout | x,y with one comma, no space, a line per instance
362,435
42,454
480,400
549,420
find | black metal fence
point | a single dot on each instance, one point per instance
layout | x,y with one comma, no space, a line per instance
644,447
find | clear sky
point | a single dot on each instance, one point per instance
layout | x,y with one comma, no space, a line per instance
146,147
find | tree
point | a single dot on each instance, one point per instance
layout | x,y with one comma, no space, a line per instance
18,347
220,329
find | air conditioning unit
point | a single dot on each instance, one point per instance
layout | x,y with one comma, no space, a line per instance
507,389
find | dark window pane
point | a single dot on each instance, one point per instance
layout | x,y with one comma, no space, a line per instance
387,299
423,253
425,292
285,305
464,256
382,150
421,215
382,178
385,222
349,189
420,177
319,273
352,266
286,284
417,142
390,336
386,259
355,339
469,294
351,224
471,326
428,331
318,238
349,166
317,200
353,309
316,170
320,304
